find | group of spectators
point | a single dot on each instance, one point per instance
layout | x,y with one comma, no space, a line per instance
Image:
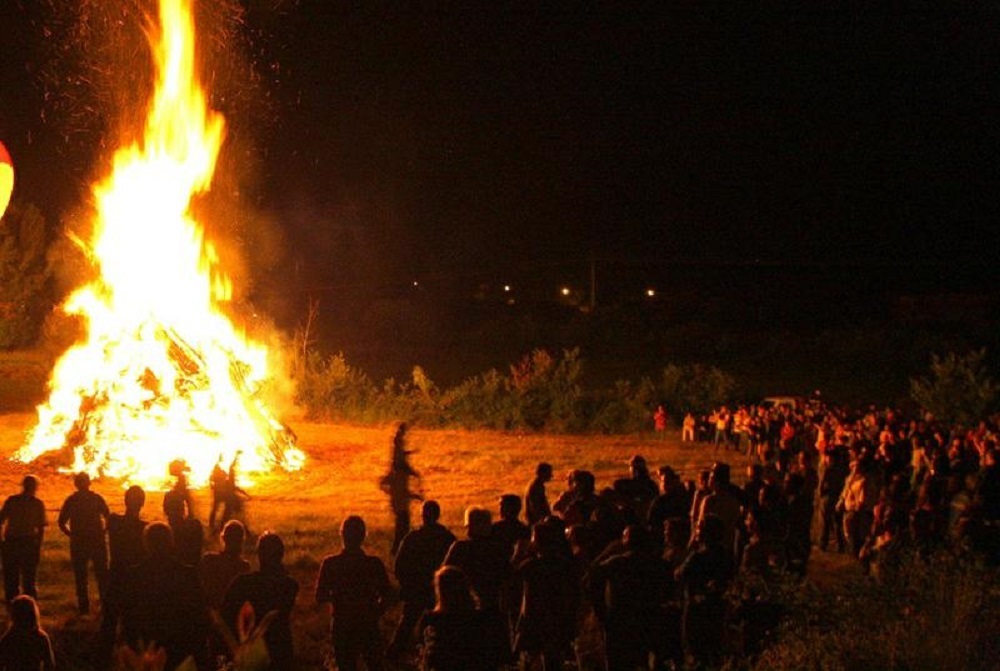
878,476
648,561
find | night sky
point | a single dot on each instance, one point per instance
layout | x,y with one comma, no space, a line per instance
483,137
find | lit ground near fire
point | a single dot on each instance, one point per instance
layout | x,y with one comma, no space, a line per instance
459,468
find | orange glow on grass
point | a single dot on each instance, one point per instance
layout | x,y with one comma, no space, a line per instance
163,373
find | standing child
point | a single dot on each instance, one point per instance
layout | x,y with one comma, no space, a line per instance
25,645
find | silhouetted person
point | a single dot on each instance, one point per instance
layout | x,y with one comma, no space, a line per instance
396,483
550,582
218,569
578,503
705,575
187,531
638,490
163,603
481,557
509,530
25,646
484,561
125,533
535,501
178,498
628,592
455,634
83,518
357,588
725,502
23,521
831,485
673,502
126,547
799,507
267,589
220,485
226,494
420,554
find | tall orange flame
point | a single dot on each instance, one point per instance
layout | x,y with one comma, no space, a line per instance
163,374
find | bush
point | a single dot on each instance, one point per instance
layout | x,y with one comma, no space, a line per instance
936,616
546,392
958,390
25,295
331,389
542,392
624,408
695,388
481,402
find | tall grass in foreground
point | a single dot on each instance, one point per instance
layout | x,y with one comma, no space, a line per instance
940,615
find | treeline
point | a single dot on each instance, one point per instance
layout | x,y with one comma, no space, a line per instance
542,391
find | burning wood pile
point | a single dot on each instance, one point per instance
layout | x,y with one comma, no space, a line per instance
163,374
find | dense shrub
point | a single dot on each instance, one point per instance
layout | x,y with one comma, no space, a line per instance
695,387
959,390
938,616
481,402
542,392
625,408
332,389
24,275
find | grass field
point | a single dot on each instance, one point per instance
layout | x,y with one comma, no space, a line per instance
459,469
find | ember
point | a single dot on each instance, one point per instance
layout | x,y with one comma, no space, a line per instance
163,374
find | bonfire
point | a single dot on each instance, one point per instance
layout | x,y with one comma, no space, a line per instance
163,374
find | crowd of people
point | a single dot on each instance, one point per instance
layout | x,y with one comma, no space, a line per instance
648,561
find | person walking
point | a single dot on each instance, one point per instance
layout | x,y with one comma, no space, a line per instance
396,483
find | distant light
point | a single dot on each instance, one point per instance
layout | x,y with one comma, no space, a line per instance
565,291
651,292
415,283
506,287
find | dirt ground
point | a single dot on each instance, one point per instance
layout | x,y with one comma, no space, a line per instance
344,464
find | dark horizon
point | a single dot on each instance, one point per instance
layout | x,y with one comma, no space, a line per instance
484,138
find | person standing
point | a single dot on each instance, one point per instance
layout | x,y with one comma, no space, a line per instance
396,483
660,421
218,569
420,554
178,506
536,503
25,645
687,429
628,591
162,601
84,518
704,576
125,546
269,589
23,521
356,585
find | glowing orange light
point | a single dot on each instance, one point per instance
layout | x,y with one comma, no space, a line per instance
565,291
163,374
6,178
